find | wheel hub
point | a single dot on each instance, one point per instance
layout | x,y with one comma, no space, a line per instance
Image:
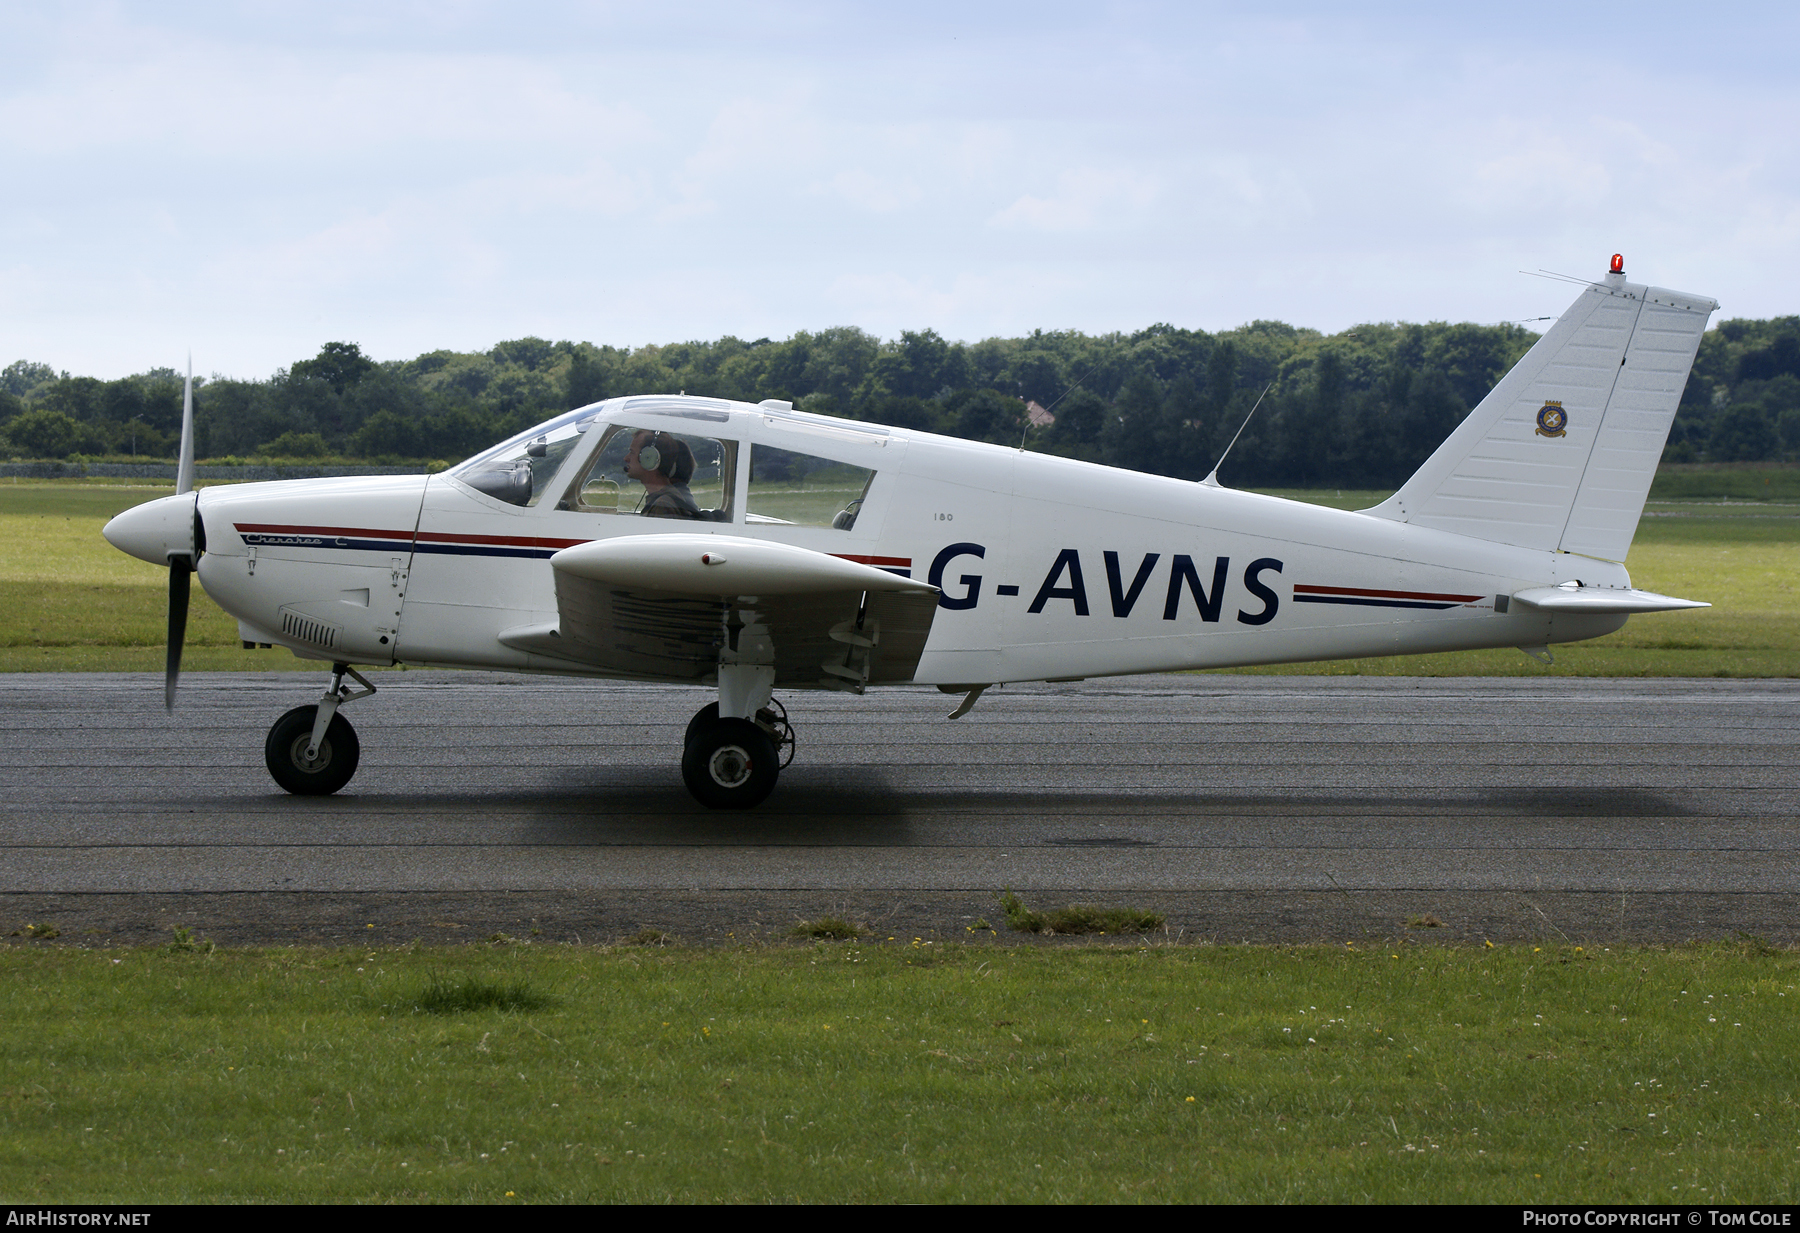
310,766
729,766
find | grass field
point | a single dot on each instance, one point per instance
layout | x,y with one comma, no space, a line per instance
1742,556
895,1071
69,602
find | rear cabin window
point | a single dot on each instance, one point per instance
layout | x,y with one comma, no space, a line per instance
804,490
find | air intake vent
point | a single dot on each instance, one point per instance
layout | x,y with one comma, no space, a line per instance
307,629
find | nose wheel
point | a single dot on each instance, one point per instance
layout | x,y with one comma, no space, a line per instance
331,764
313,750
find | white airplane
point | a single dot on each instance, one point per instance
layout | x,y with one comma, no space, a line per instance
754,548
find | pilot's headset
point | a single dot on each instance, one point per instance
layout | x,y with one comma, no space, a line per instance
668,456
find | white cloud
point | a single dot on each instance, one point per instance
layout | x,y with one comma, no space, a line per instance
879,194
1536,172
1084,198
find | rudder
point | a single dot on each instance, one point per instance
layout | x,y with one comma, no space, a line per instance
1561,452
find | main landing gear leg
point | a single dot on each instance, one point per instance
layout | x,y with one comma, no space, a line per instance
312,750
736,747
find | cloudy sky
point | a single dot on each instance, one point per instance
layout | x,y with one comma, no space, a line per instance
251,180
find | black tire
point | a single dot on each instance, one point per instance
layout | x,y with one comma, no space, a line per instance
285,753
705,717
730,764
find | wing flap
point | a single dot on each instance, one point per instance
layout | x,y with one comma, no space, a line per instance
814,650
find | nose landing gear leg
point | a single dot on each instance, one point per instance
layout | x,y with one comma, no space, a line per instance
312,750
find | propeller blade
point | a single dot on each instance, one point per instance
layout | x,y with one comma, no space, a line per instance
181,565
184,469
181,569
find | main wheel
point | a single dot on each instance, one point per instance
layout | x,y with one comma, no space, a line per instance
772,719
705,717
285,752
729,764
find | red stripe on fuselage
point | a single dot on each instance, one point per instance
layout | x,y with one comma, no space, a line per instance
433,537
510,541
270,528
507,541
904,562
1303,589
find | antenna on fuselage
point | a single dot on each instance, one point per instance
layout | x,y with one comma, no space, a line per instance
1044,412
1212,477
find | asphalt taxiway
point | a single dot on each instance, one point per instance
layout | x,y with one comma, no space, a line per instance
1242,807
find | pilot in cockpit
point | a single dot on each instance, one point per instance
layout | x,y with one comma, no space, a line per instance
663,464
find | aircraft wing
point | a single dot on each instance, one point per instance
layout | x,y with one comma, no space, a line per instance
674,607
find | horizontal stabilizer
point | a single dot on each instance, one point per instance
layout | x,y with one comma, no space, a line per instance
720,565
1602,601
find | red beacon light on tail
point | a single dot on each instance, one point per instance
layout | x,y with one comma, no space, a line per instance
1618,263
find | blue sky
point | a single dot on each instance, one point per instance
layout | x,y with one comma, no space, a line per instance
252,180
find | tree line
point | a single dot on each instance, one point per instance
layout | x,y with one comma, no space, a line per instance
1358,409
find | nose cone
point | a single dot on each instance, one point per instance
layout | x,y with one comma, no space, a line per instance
156,529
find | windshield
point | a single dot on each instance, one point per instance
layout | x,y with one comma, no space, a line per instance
519,469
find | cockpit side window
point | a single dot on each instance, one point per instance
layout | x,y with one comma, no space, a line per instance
657,474
805,490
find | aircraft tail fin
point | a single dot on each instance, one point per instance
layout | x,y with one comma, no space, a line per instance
1561,452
